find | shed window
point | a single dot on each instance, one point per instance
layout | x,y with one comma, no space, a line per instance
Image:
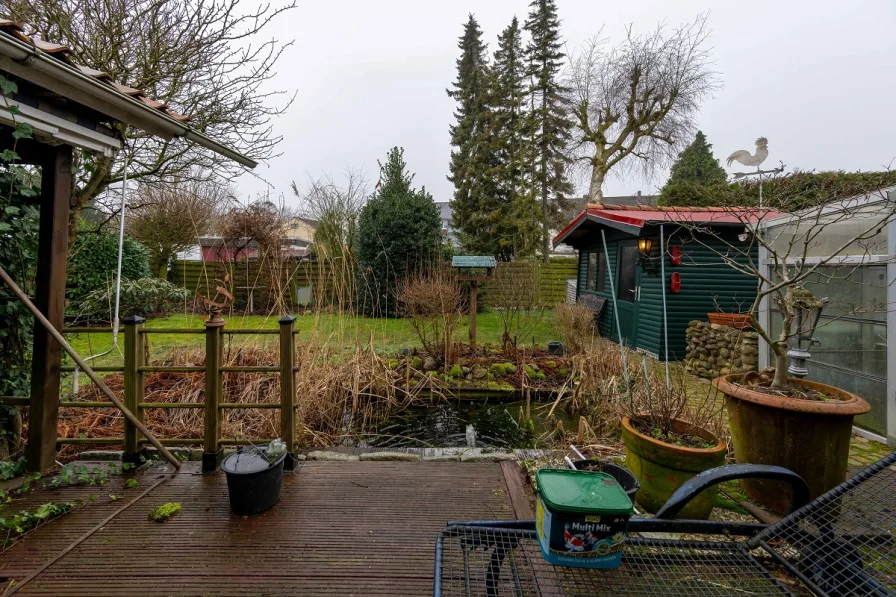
597,272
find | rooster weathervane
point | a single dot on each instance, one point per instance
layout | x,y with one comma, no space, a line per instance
742,156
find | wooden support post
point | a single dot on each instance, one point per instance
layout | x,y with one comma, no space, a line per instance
133,386
474,289
288,388
214,389
52,252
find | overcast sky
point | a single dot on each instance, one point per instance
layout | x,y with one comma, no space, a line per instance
817,78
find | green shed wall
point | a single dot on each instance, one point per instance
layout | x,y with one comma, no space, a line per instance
703,274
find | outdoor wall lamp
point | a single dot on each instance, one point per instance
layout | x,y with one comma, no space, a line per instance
644,246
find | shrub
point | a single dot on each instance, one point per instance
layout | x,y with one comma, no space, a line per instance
433,301
516,295
576,326
94,259
148,297
794,191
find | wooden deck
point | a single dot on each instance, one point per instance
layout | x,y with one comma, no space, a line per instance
341,528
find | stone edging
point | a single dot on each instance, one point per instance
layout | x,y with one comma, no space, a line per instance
347,455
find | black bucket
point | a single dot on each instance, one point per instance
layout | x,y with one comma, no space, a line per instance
253,488
624,476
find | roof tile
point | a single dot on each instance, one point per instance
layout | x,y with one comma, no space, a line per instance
152,103
126,90
49,47
62,54
92,72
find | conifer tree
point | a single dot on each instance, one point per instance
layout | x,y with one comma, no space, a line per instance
515,228
696,163
550,119
398,234
469,161
695,176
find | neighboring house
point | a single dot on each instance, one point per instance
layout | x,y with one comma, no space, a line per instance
635,269
301,229
212,249
298,237
445,214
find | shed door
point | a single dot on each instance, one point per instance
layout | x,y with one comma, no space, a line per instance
628,279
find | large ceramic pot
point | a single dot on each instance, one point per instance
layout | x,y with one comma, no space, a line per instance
732,320
661,468
809,437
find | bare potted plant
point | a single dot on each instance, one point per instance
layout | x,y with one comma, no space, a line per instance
670,435
775,416
738,321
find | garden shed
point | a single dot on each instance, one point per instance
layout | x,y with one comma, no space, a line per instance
697,280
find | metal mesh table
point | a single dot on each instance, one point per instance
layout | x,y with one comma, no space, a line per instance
490,561
843,542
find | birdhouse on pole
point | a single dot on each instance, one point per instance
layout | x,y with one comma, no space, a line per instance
473,269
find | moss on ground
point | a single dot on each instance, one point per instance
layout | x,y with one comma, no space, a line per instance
164,512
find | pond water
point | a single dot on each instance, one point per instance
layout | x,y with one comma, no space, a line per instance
467,423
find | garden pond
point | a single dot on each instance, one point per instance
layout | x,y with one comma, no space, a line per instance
470,423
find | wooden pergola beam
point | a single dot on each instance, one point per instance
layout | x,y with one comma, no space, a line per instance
55,199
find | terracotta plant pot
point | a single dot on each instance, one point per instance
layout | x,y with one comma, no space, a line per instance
661,468
732,320
808,437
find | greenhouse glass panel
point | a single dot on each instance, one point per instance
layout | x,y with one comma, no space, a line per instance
852,333
825,236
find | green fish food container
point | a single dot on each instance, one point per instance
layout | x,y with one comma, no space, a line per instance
581,518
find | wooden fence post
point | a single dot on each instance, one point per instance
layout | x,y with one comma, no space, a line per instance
474,289
133,385
49,297
214,388
288,388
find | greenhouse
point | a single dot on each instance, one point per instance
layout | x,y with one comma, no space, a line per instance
851,349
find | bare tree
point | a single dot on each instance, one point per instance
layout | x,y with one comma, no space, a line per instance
172,218
827,240
202,58
259,228
334,205
635,104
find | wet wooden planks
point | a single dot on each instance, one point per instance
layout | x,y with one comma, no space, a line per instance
341,528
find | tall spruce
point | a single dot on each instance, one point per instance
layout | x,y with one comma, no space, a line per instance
515,229
550,118
470,159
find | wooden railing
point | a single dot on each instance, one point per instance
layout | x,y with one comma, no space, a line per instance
136,366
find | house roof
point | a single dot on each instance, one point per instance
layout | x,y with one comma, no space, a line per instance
632,218
50,66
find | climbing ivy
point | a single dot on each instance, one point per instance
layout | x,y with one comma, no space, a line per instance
19,220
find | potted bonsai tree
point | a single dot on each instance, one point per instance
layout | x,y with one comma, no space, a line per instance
775,417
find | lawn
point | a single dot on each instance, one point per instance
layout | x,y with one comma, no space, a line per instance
389,335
